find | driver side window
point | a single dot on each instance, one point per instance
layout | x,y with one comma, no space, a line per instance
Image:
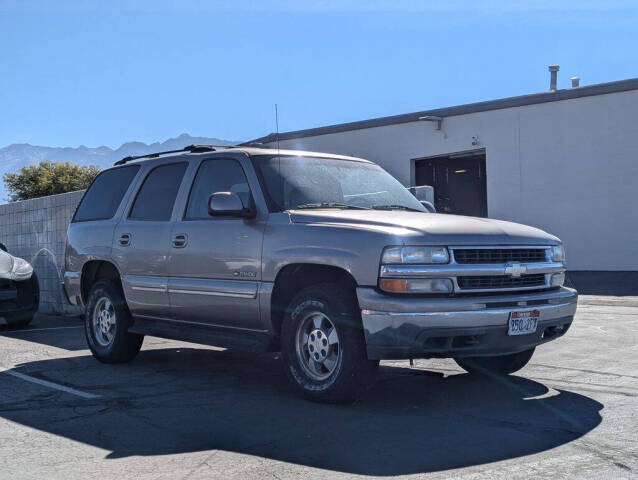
215,176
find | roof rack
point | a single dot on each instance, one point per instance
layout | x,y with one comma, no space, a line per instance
190,148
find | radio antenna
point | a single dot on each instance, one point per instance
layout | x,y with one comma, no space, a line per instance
277,126
281,180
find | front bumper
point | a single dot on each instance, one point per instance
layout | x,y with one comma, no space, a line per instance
19,300
408,327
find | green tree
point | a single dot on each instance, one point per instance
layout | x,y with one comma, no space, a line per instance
48,178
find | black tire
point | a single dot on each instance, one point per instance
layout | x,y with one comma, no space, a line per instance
496,365
123,346
352,372
28,294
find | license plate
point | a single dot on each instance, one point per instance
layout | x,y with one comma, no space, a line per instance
522,323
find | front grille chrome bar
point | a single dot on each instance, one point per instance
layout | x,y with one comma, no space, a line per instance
455,270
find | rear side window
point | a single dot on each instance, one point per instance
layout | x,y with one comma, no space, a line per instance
216,176
105,194
157,195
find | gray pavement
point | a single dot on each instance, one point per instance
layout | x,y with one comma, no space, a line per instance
186,411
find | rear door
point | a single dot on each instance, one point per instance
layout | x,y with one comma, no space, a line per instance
215,262
142,238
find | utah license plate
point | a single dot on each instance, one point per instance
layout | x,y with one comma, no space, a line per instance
521,323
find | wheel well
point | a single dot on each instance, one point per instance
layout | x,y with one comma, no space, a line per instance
293,278
97,270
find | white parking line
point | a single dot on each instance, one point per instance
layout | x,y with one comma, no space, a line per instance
48,384
11,332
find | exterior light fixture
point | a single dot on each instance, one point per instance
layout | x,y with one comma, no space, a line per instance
433,118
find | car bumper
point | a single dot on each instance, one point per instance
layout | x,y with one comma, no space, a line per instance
71,284
18,300
403,327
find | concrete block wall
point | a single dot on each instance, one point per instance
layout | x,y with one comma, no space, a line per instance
36,231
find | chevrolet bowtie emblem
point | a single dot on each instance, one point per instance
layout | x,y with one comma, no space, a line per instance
515,269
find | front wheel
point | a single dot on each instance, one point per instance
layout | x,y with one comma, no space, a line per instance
106,324
496,365
323,345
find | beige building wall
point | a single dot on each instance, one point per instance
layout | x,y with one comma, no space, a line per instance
569,167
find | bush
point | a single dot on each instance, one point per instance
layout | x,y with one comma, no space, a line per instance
48,178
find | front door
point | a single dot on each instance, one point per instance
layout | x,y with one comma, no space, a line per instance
215,262
141,241
459,183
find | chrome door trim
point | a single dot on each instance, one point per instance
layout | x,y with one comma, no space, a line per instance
213,287
146,284
212,293
149,289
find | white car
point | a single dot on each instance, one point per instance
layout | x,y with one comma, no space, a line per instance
19,290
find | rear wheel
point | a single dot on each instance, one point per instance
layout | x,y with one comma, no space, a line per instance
323,345
496,365
106,324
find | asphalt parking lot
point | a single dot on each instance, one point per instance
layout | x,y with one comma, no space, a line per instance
185,411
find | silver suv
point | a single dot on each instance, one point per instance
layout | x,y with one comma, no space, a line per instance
326,258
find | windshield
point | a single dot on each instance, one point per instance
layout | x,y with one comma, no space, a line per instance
309,182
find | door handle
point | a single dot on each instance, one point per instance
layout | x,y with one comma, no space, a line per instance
180,240
124,240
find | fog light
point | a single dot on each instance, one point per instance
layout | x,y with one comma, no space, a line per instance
416,285
557,279
558,253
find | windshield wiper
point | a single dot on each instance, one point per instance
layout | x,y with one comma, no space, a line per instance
396,207
329,205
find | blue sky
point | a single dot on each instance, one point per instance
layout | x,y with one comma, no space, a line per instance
102,73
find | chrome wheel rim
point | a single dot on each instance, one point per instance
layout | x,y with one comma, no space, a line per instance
104,321
317,345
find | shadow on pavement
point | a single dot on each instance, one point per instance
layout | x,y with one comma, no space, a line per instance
411,421
54,330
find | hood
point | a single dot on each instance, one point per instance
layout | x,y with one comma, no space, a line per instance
429,228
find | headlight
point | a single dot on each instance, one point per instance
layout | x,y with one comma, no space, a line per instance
14,268
558,253
422,255
21,268
416,285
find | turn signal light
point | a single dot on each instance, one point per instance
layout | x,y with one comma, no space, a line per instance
393,285
416,285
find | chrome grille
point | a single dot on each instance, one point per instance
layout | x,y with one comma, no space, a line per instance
499,255
500,281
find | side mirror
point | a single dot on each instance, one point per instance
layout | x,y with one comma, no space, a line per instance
227,204
429,206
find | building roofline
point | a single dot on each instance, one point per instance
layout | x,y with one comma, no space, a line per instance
522,100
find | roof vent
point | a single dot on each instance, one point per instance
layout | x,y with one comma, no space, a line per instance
575,82
553,71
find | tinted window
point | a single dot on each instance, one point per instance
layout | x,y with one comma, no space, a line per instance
155,199
216,176
105,194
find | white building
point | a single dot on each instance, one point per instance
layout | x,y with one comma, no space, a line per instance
565,161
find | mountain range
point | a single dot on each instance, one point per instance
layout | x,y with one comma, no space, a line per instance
17,155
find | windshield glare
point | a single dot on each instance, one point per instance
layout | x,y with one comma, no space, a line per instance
292,182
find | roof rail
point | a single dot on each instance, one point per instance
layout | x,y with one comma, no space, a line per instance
190,148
